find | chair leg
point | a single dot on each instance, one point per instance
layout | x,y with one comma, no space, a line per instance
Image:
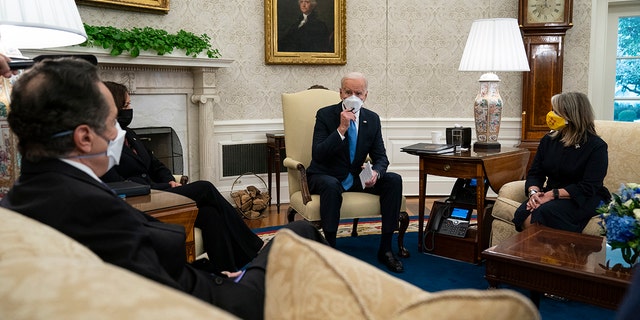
291,214
354,230
404,225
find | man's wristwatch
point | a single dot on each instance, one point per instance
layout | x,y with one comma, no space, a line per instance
556,194
532,192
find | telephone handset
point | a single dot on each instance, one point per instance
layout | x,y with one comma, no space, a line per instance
445,218
438,213
436,216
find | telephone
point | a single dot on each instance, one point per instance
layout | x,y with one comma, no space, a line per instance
447,219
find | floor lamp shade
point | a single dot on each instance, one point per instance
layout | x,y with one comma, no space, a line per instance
36,24
493,45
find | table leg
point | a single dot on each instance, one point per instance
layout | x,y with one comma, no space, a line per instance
269,170
277,165
422,182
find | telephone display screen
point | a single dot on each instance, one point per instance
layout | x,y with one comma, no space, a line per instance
460,213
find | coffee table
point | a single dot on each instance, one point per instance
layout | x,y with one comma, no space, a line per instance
170,208
562,263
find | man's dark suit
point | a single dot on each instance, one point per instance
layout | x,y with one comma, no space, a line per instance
330,165
228,241
69,200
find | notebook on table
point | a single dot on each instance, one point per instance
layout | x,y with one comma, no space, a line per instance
129,188
428,148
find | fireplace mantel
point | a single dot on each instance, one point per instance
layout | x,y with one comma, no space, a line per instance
145,59
175,74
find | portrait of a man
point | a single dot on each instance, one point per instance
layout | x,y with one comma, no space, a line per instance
306,26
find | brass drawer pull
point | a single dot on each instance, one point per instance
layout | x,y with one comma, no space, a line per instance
447,167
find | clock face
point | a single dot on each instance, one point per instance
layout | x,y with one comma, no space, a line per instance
545,11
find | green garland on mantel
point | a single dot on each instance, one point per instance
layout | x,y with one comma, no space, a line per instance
136,40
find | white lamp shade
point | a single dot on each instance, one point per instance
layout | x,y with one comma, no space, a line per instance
36,24
494,45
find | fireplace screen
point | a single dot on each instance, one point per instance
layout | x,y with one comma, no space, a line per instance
165,145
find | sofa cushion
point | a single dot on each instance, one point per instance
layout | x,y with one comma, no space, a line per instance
68,288
309,280
504,208
623,151
22,237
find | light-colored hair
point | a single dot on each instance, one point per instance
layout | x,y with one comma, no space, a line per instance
577,110
355,76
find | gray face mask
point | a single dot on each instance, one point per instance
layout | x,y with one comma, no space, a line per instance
352,103
114,149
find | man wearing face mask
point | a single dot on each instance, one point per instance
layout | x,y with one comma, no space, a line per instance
65,121
343,136
229,242
565,183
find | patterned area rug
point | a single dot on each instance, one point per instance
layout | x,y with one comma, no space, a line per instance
366,226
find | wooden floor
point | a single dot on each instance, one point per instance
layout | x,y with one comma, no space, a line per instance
272,218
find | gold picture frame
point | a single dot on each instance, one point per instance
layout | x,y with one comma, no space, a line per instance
152,6
321,40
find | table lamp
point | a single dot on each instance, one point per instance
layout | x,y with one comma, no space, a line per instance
493,45
37,24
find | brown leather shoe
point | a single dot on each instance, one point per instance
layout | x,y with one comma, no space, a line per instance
392,262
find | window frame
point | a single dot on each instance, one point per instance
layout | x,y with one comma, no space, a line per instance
602,62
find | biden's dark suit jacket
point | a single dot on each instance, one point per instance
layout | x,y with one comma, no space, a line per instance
330,154
330,158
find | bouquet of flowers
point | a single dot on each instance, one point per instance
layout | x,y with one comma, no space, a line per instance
621,219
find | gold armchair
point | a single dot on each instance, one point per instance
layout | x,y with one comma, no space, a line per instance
299,110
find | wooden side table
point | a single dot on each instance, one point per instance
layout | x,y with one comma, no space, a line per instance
275,143
170,208
496,166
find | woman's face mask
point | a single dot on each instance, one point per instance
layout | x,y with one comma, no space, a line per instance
556,122
125,116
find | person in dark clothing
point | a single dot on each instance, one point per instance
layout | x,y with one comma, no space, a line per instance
308,33
344,135
228,241
65,119
565,182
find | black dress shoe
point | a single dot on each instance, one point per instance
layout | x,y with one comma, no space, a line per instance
391,261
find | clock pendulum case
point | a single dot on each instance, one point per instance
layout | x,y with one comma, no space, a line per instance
544,24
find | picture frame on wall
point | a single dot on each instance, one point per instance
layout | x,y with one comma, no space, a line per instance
305,32
151,6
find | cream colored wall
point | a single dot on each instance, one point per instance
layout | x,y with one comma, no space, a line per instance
409,50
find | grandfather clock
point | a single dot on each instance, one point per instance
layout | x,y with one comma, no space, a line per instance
544,24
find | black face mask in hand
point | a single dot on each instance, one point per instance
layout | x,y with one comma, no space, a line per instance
125,116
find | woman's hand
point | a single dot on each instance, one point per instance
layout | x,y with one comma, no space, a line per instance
539,198
174,184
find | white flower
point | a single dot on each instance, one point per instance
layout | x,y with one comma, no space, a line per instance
632,185
636,213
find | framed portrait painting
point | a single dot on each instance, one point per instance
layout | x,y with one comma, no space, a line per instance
305,31
152,6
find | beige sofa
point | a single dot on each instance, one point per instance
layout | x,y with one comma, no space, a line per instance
624,152
46,275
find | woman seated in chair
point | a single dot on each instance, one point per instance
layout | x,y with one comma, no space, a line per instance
565,181
228,241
